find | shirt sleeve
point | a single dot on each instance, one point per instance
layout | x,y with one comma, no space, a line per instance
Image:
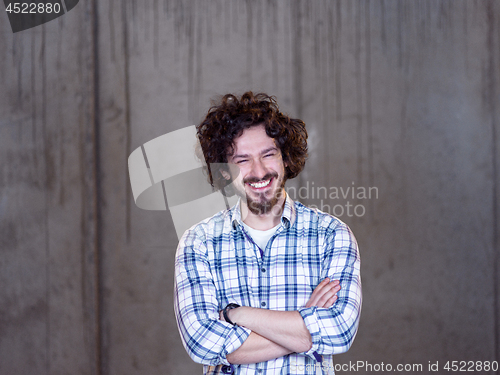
207,339
333,329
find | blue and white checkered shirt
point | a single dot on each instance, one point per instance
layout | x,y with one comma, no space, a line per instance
218,263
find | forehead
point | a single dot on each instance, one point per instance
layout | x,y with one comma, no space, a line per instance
253,140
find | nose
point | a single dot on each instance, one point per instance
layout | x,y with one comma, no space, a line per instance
258,169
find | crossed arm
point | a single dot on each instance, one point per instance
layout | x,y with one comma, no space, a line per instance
322,327
277,333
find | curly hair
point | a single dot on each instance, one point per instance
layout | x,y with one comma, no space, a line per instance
227,120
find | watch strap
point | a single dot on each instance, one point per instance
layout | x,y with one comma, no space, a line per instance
226,309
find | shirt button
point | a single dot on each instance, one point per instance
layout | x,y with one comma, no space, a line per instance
227,369
263,304
263,269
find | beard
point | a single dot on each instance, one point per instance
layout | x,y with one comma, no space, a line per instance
263,204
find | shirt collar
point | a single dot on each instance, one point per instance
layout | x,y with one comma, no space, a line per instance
287,216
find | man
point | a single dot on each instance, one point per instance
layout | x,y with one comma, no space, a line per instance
268,286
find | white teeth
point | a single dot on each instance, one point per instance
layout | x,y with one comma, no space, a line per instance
261,184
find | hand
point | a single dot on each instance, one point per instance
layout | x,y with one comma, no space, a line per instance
325,294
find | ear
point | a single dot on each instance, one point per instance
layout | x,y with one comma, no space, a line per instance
285,162
225,175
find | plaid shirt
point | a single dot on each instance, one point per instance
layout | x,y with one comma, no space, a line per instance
218,263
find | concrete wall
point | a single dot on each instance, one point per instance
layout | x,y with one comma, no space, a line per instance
398,96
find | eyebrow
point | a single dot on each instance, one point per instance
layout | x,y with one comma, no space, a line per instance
262,153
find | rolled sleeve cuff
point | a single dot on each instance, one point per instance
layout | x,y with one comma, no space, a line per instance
234,339
312,325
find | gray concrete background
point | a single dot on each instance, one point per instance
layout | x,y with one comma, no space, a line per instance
398,95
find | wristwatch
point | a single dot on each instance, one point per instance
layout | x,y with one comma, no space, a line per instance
229,307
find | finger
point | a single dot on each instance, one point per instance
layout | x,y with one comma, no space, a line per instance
323,283
330,302
323,288
316,294
325,297
318,291
328,293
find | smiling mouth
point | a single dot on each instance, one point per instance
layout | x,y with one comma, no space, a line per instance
260,184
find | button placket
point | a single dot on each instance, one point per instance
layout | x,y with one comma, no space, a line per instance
257,300
264,279
265,272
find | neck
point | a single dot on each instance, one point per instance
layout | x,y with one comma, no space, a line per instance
263,221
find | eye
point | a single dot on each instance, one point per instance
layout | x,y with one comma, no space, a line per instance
269,155
241,161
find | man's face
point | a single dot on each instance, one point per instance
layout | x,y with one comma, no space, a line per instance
261,167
